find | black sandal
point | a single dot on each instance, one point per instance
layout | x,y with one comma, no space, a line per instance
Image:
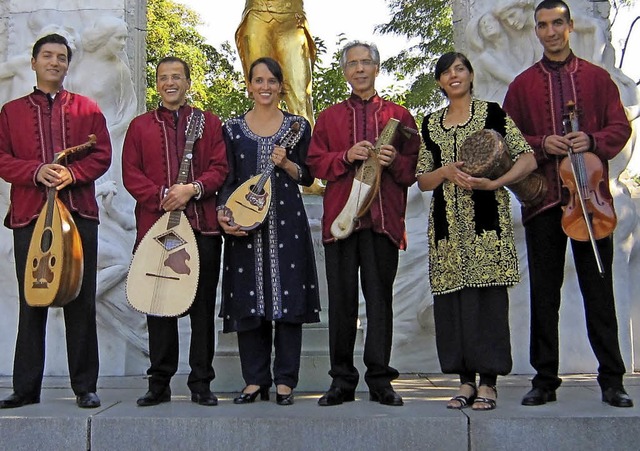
483,403
463,400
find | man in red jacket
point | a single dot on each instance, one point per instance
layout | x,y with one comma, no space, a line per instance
342,139
32,130
537,101
153,150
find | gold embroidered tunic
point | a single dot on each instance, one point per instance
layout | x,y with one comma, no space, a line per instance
471,242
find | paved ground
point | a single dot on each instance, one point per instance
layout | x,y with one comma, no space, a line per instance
577,421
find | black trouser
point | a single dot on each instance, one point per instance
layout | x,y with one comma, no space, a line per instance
79,321
472,333
546,247
254,346
375,257
163,331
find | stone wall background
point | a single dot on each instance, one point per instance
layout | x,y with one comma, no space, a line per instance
122,332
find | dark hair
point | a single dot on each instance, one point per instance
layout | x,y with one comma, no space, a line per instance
175,59
446,61
552,4
272,65
51,39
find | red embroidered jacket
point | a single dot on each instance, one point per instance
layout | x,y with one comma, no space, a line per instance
32,129
337,129
535,106
151,157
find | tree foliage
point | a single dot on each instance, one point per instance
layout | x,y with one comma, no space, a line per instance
215,84
329,85
428,27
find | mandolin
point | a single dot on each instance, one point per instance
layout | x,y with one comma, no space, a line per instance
55,265
249,203
163,275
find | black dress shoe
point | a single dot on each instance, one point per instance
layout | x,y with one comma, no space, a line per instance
14,400
284,400
206,398
336,396
246,398
88,401
152,398
386,396
617,397
538,396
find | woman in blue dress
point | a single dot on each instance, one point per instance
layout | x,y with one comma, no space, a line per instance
269,274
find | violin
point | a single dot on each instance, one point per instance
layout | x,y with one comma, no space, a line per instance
589,213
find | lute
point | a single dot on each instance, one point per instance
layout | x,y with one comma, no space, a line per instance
163,275
55,265
249,203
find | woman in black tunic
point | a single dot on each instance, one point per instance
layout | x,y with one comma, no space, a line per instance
472,253
269,274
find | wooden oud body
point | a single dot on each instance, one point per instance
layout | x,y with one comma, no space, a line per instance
163,277
55,265
248,208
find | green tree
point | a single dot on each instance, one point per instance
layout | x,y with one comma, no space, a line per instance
215,84
329,85
428,26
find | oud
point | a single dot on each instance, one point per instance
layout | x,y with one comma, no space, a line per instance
249,203
55,265
163,275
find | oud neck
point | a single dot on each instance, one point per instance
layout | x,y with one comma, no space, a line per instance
185,165
183,176
174,219
52,193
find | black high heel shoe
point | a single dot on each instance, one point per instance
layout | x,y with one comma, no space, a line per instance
246,398
284,400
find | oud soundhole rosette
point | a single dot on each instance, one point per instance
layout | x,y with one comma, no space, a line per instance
170,240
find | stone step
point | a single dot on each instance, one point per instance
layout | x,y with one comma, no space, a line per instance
578,420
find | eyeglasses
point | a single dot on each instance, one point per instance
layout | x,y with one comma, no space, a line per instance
174,77
365,63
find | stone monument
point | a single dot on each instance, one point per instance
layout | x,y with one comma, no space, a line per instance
109,65
107,40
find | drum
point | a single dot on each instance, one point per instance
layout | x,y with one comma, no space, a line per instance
485,154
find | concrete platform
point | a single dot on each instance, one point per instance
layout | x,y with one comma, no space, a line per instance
577,421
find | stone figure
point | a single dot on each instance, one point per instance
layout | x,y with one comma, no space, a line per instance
488,42
279,29
516,16
16,75
102,73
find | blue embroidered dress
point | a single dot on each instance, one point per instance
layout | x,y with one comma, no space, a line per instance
271,273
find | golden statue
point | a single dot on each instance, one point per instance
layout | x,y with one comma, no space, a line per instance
279,29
